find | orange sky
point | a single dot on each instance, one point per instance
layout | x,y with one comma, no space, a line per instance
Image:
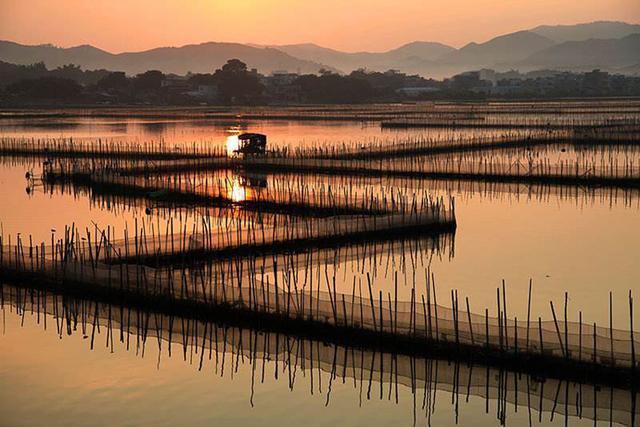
129,25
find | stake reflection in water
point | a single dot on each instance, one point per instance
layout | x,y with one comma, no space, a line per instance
310,233
413,383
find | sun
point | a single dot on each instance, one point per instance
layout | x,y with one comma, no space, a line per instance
232,144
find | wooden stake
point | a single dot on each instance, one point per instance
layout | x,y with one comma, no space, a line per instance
528,314
470,324
555,321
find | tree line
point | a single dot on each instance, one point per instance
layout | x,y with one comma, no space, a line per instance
235,83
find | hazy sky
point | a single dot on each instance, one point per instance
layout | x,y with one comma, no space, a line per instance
129,25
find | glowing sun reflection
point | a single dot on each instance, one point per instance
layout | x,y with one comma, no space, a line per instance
237,192
232,144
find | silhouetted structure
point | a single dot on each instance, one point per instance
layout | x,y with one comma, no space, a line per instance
251,144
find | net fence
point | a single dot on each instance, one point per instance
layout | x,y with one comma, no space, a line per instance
374,374
280,292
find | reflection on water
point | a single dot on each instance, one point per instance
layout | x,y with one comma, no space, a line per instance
576,241
186,371
281,133
583,244
238,191
232,144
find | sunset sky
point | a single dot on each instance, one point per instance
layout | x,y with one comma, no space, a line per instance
374,25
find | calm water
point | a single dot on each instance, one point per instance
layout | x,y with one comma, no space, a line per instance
281,133
583,243
58,379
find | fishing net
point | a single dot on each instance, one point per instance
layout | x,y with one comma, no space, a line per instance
370,371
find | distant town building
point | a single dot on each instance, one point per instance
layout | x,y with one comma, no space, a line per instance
173,81
414,92
205,92
280,85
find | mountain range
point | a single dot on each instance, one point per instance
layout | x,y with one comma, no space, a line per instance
613,46
197,58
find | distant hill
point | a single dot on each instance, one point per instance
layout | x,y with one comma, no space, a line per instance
588,54
425,50
541,47
505,49
581,32
402,58
610,46
87,56
205,57
633,70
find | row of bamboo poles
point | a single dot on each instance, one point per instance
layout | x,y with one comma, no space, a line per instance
357,112
107,148
258,192
446,139
374,374
248,288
